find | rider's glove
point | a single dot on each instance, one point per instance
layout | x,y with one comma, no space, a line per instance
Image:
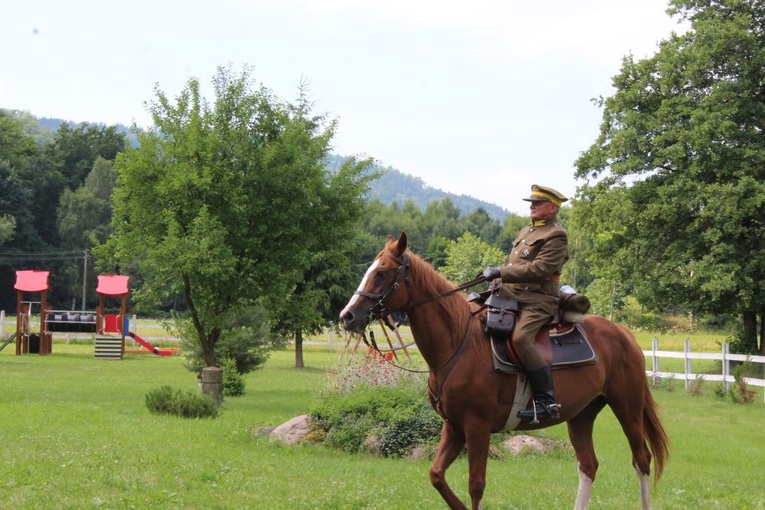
491,273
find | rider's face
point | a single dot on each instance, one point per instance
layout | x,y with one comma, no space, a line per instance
542,210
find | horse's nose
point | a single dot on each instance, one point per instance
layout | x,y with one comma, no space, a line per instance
346,317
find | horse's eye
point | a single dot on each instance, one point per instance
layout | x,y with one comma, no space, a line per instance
381,274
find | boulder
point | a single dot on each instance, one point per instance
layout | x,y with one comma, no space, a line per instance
522,445
292,431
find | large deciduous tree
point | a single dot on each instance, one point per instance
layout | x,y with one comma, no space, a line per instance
681,163
226,203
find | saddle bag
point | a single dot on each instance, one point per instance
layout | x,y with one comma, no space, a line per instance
500,316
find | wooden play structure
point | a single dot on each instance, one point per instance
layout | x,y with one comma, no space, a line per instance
111,328
27,342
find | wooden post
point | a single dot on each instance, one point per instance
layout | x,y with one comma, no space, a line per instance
20,331
212,383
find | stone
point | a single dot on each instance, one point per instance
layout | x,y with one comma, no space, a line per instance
522,444
292,431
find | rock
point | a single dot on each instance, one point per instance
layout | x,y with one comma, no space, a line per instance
372,445
417,453
292,431
520,445
263,431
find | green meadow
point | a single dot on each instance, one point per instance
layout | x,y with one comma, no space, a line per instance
76,434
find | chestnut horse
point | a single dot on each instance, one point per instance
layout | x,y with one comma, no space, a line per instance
475,400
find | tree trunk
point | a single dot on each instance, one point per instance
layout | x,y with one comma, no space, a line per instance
749,334
299,350
762,332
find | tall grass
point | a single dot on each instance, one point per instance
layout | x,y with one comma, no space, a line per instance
76,434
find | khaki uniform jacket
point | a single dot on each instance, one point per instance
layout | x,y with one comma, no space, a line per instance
533,265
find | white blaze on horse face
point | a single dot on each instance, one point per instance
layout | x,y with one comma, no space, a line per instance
363,283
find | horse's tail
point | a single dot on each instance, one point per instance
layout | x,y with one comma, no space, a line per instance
658,441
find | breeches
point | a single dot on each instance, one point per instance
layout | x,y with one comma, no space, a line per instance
530,321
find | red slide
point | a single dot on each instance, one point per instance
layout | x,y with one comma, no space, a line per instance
155,350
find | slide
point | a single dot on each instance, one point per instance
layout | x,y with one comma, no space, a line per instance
155,350
7,341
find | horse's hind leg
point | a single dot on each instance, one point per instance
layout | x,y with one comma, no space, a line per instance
451,445
580,433
630,417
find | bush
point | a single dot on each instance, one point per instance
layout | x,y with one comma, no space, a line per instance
187,404
247,340
233,382
740,393
399,415
417,426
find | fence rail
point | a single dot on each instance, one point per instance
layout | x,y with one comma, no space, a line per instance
688,375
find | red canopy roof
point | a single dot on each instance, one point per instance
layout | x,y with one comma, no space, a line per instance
112,284
31,281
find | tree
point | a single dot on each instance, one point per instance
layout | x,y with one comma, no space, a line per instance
7,227
482,225
681,163
16,148
224,204
87,211
327,276
468,256
84,218
74,150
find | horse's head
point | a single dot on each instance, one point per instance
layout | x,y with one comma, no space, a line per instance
380,291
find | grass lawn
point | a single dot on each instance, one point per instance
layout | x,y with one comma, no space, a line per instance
76,434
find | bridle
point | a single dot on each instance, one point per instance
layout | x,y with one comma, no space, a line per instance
380,311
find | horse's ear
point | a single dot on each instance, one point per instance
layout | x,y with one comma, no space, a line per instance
389,241
401,244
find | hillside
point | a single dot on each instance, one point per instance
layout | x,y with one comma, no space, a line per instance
392,186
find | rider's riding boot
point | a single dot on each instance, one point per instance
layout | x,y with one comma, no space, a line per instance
543,406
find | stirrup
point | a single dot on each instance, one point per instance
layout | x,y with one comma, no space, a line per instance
549,412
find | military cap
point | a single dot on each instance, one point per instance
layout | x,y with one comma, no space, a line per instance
545,194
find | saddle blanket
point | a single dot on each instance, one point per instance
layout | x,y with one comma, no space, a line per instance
565,348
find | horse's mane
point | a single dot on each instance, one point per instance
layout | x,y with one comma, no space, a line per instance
455,308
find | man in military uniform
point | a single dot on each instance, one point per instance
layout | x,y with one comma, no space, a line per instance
531,276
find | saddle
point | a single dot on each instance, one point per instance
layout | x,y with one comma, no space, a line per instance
562,341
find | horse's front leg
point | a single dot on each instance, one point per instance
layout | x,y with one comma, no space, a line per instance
449,448
478,439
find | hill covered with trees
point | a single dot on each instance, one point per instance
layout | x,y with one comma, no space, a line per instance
391,186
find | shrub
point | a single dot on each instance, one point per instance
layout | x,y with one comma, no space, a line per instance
187,404
739,392
415,426
348,378
398,414
697,386
247,339
233,382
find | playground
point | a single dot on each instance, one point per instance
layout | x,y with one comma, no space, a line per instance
109,329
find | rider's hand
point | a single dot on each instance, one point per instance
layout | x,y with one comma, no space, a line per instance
491,273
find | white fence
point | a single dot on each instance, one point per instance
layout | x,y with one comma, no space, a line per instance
687,356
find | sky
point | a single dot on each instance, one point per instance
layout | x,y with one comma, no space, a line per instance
483,98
